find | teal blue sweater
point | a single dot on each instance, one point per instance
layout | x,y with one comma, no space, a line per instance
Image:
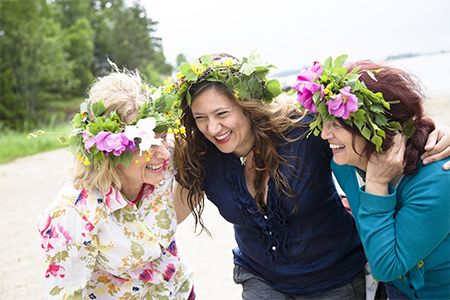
406,235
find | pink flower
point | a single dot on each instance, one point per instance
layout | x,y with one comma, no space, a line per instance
112,142
54,269
88,142
344,104
147,275
310,74
305,95
48,232
306,88
170,270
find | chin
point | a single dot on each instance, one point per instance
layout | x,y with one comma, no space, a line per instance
338,162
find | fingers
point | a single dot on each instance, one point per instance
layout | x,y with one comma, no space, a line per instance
431,140
446,166
437,146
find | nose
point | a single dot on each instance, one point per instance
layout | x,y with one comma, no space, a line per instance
214,127
161,151
326,132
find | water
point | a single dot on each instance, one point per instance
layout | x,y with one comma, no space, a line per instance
433,72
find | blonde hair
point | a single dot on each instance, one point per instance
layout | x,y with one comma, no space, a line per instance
123,92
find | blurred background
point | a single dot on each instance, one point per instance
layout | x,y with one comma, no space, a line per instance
51,51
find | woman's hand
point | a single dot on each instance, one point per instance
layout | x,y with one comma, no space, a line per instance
437,146
383,167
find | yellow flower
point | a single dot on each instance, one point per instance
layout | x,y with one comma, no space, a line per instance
177,122
136,161
169,130
183,129
176,131
87,162
147,158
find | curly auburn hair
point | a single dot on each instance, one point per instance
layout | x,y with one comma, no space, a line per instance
397,85
269,123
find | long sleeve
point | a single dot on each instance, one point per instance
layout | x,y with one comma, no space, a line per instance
400,230
69,252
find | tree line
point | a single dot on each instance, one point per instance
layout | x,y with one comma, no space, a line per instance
50,51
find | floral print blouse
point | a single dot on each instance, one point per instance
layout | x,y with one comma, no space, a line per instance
103,247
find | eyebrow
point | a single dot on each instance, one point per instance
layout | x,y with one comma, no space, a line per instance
214,111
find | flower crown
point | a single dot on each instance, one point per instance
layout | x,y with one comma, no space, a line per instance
331,91
101,137
246,79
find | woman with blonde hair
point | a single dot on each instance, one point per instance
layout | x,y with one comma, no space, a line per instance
109,233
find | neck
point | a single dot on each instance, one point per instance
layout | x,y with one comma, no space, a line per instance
131,193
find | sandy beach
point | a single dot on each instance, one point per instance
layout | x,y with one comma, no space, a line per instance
29,184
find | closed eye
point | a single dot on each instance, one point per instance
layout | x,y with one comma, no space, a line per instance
221,113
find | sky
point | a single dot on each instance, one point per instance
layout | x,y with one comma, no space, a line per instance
292,34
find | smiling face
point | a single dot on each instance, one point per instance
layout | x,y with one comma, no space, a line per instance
223,122
341,143
145,169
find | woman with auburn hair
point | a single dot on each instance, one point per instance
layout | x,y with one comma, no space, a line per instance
373,119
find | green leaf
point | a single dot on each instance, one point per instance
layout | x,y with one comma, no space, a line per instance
328,63
339,61
366,133
371,75
378,141
98,108
84,107
253,85
242,90
359,115
206,60
339,71
395,125
274,87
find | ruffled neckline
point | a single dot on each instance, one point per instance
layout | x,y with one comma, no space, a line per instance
271,227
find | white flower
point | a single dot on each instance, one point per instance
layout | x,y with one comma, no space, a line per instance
143,130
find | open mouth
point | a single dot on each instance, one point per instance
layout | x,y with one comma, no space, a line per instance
336,147
223,136
154,167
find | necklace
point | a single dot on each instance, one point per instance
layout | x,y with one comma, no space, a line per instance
139,196
244,158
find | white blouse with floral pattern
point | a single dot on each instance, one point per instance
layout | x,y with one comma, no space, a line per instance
103,247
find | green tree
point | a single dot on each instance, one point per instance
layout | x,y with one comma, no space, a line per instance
124,35
32,51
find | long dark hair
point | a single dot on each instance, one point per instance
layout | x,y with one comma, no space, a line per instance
269,123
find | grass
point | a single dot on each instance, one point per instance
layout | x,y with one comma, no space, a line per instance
15,144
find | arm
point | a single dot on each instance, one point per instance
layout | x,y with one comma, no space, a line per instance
400,230
438,146
69,253
180,202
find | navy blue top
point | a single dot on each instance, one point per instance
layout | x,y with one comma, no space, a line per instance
305,252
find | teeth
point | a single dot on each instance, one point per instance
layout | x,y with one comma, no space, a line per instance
154,167
333,146
223,136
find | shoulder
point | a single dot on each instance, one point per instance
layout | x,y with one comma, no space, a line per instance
429,178
74,206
